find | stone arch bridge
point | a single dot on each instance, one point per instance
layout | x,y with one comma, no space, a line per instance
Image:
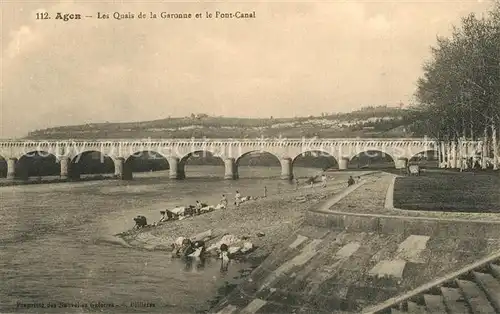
177,151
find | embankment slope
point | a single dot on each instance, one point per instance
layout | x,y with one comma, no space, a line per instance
350,262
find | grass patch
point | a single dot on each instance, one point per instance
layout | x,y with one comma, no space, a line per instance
449,191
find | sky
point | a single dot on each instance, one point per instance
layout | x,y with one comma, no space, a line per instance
295,58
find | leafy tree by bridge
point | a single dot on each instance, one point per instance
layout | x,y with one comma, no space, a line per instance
459,93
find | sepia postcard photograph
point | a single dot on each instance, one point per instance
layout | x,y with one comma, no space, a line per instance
231,157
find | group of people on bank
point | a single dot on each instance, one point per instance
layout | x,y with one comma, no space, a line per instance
324,179
199,208
228,247
182,212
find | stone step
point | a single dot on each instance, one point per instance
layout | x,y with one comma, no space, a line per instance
254,306
491,287
475,297
434,304
495,270
414,308
454,300
230,309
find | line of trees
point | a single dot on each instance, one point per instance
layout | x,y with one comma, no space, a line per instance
458,96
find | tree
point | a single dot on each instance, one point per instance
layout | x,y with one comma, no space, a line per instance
459,93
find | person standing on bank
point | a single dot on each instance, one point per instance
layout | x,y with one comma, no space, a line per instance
198,207
323,180
223,201
237,199
224,255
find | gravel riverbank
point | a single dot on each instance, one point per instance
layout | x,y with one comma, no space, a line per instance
276,217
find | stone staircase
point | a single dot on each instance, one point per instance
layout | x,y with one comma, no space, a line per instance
474,291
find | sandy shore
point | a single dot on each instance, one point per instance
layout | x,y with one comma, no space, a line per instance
276,216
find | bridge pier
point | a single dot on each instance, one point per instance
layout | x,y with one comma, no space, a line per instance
64,162
173,163
176,168
11,168
119,165
343,162
231,169
286,169
402,163
123,171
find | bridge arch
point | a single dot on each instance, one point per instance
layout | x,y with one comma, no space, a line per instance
91,162
144,161
37,164
254,163
426,159
316,158
372,158
199,158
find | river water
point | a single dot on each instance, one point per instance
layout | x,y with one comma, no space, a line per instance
54,254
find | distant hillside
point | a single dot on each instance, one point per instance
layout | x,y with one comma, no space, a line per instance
381,121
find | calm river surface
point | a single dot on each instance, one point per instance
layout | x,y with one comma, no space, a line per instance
51,248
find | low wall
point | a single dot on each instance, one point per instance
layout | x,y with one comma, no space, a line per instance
404,225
